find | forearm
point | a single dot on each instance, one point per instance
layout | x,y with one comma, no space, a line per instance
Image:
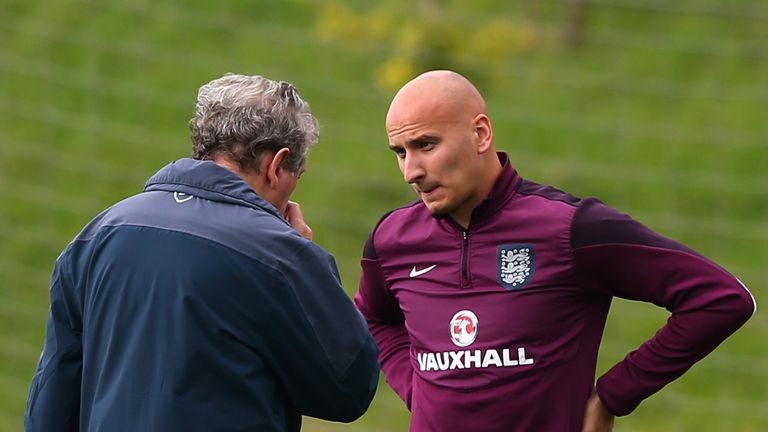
386,323
707,306
684,340
394,356
618,256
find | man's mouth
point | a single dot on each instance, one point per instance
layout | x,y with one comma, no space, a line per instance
426,192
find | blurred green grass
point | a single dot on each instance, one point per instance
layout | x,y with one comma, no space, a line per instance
660,113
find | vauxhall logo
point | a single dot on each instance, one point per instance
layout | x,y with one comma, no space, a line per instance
463,329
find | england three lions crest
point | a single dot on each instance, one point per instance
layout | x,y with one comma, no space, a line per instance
515,265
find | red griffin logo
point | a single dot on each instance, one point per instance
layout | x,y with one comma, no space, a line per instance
463,328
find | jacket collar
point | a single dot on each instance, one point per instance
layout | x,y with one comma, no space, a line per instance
503,189
207,180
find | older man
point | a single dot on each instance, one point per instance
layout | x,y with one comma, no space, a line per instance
489,295
201,304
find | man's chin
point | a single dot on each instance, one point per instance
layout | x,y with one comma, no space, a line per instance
435,208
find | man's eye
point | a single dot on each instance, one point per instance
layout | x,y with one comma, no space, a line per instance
426,146
400,153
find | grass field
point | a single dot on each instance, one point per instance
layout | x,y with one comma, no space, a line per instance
661,111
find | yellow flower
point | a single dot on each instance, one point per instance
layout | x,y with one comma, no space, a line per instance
394,73
338,23
502,38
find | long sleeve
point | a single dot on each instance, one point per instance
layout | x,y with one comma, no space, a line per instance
621,257
387,324
54,396
320,347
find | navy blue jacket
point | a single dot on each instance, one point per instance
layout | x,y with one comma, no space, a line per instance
194,306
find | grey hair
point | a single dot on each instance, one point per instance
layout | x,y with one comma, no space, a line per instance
242,117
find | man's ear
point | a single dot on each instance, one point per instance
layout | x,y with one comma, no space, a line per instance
275,165
483,132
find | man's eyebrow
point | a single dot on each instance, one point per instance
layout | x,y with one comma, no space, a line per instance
425,139
421,139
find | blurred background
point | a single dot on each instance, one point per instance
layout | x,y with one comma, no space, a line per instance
658,108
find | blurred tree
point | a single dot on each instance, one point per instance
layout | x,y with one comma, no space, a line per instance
433,34
574,27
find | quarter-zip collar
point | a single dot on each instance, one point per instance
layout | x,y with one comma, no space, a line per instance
208,180
503,190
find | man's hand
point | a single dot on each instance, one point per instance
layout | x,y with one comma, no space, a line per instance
296,219
597,417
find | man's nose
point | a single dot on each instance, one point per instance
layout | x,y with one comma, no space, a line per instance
412,168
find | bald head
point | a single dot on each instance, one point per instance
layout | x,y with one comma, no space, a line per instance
439,129
442,94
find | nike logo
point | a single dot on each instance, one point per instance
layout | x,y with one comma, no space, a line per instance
415,272
182,197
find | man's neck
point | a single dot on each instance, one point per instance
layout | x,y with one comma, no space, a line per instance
250,178
490,173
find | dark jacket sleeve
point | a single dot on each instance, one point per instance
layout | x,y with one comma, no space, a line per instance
54,396
387,324
623,258
323,353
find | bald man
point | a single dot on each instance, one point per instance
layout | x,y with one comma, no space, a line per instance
488,296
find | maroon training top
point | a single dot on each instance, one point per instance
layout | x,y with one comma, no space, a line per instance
497,328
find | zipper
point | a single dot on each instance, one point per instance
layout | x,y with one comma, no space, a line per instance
465,260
